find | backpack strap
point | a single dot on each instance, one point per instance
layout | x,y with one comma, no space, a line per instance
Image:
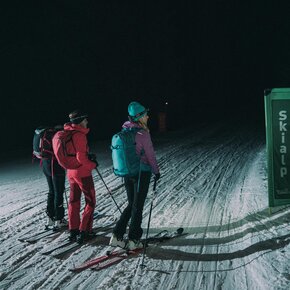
70,139
132,129
51,165
136,130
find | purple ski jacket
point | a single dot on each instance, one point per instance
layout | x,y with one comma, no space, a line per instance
143,142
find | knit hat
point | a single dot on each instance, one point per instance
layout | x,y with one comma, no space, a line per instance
136,111
77,117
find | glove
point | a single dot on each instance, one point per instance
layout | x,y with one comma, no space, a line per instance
157,176
93,158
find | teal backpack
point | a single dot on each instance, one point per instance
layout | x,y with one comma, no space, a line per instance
126,163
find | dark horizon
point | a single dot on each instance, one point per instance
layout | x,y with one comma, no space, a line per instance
210,61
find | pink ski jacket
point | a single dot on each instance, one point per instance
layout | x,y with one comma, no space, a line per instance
80,146
144,144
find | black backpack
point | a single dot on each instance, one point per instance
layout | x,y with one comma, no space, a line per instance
42,142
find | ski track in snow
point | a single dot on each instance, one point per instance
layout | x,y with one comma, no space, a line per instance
213,183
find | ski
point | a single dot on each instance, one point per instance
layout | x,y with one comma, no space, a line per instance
39,235
47,232
66,247
61,252
64,243
163,236
113,257
70,247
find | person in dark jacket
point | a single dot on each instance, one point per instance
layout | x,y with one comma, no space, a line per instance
80,179
136,188
55,176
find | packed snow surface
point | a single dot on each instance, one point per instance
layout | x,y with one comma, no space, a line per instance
213,184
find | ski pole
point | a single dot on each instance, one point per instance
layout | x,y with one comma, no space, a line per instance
108,189
65,197
148,225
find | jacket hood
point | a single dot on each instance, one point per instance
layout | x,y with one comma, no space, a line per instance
129,125
76,127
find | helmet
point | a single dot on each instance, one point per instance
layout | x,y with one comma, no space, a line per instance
136,111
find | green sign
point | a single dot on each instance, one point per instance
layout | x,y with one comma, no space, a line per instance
277,109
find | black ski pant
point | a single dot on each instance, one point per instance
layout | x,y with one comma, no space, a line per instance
56,185
134,209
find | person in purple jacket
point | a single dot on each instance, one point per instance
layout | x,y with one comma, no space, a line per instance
138,118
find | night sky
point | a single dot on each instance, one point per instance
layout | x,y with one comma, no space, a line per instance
210,60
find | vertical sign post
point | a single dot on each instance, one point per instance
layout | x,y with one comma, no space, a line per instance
277,113
162,122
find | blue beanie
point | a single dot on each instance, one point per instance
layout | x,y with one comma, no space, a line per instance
136,111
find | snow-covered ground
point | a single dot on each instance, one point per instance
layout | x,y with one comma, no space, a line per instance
214,185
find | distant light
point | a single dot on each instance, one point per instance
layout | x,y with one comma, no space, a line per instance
166,103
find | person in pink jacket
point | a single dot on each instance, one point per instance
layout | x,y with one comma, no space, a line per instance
80,179
137,186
